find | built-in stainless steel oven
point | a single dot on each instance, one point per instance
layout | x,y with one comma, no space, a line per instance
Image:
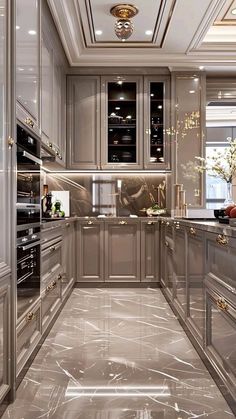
28,266
28,177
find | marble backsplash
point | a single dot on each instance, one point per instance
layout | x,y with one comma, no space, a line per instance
110,194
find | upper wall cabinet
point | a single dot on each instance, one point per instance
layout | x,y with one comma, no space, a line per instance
53,88
113,136
27,62
83,122
156,122
121,125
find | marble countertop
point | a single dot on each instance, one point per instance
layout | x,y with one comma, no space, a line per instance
210,225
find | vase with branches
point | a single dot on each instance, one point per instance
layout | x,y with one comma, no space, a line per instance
221,165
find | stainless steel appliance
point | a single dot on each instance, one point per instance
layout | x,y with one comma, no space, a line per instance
28,177
28,266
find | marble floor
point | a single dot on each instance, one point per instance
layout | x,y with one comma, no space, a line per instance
117,354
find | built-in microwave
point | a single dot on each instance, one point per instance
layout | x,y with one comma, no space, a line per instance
28,177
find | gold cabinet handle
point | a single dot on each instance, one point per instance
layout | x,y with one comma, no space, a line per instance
162,222
123,223
29,316
52,248
222,305
10,142
90,222
51,286
150,223
192,231
59,277
222,240
167,223
29,122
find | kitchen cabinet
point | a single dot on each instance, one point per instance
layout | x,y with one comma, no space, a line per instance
53,88
106,118
90,259
4,336
156,122
167,258
195,275
68,257
121,127
51,301
28,62
221,331
28,334
179,276
83,120
122,250
149,251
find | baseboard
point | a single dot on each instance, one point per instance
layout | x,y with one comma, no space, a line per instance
117,285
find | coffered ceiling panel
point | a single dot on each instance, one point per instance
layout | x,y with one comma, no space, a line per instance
183,33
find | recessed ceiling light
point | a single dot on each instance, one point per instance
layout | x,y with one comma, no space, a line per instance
233,11
117,108
148,32
191,91
201,67
32,32
98,32
17,27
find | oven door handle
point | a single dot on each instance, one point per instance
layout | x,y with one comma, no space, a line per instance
31,157
29,246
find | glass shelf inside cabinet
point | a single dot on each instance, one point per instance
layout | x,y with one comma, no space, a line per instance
122,122
156,122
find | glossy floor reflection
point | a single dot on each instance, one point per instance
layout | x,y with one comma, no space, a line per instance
117,354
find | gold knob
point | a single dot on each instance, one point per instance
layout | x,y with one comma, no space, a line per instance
10,142
59,277
29,122
90,222
192,231
150,223
30,316
167,223
222,305
162,222
52,248
122,223
222,240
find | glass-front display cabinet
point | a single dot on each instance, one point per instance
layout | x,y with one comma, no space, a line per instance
121,127
157,122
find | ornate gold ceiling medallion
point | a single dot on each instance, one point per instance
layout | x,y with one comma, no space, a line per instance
124,11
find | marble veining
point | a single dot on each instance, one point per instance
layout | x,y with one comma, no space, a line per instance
117,354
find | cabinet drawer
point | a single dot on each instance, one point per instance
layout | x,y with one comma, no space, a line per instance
52,233
221,334
28,335
221,252
51,298
51,259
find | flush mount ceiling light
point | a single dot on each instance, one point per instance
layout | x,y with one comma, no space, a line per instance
233,11
124,26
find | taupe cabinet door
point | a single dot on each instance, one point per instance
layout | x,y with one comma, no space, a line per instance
149,251
68,254
90,236
47,89
180,266
195,249
122,251
83,118
27,62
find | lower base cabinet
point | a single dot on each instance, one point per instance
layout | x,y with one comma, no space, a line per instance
221,333
149,251
122,251
51,301
28,334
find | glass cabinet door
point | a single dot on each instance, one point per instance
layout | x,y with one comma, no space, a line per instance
122,110
156,114
27,61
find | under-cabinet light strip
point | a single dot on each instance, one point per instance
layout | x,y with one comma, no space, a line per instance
108,172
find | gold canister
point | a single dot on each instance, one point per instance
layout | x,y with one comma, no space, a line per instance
177,188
